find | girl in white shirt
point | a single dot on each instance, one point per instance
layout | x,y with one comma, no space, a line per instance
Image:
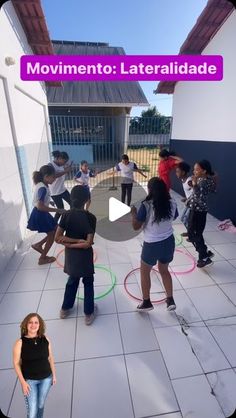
155,215
182,171
127,169
40,218
58,189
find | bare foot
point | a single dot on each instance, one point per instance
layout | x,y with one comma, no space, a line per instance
46,260
37,248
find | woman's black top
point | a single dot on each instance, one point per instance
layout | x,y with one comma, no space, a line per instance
34,358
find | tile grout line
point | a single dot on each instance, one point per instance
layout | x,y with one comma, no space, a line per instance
74,363
124,357
13,393
126,312
193,351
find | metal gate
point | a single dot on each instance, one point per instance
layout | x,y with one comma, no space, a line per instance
101,141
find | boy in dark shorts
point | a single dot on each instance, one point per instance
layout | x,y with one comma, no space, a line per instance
79,227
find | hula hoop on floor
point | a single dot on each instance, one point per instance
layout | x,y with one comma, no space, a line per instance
113,282
63,249
189,270
135,297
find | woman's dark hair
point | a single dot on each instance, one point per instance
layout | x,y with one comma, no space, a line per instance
164,153
56,154
183,166
45,170
158,193
79,196
125,157
83,162
60,154
206,165
64,156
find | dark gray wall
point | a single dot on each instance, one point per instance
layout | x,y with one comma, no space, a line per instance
222,156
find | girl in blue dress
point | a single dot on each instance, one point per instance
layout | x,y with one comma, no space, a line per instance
40,219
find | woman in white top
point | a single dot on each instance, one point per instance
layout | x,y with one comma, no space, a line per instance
58,189
155,215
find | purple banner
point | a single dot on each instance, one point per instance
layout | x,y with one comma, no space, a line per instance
121,67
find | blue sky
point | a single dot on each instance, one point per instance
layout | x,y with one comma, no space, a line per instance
141,27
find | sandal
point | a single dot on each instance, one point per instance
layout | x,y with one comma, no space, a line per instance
46,260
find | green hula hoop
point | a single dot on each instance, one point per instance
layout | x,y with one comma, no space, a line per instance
109,290
178,239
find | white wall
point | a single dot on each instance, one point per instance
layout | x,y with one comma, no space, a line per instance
206,110
24,123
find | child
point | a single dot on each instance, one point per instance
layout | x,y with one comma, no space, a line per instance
168,161
57,188
204,183
182,171
79,226
155,215
127,169
40,219
82,178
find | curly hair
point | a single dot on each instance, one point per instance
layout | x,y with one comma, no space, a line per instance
24,325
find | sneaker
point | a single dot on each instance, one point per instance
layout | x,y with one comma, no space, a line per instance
184,234
90,318
204,263
210,254
170,304
64,313
145,306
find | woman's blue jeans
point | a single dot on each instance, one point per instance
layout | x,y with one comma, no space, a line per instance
36,399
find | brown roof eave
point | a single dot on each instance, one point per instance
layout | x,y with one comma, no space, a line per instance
32,19
208,24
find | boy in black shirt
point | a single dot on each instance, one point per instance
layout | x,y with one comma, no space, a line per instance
79,227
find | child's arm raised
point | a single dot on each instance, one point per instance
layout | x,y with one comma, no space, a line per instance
178,159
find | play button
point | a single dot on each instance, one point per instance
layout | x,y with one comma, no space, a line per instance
117,209
114,220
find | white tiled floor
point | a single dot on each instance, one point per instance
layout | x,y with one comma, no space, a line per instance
126,365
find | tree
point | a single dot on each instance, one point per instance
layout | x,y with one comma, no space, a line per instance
152,112
151,121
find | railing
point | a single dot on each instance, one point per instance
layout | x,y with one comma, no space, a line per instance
101,140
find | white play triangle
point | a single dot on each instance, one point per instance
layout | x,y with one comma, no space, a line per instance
117,209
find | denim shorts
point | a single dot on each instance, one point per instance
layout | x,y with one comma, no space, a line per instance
162,251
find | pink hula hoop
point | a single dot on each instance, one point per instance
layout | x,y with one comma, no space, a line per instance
193,266
135,297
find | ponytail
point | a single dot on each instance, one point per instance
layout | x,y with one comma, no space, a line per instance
37,177
56,154
45,170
